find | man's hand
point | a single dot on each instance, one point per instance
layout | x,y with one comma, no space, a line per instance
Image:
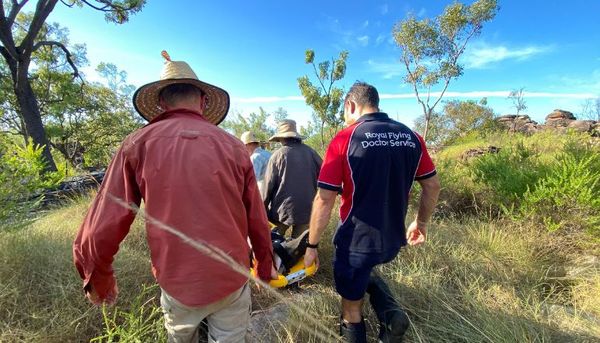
311,255
274,274
94,298
416,233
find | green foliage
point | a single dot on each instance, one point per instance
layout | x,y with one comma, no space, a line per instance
143,323
509,173
569,196
114,11
22,178
431,48
255,122
324,98
458,119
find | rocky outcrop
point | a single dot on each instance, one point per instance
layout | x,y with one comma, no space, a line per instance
559,120
478,152
519,123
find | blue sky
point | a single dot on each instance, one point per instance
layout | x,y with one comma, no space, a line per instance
255,49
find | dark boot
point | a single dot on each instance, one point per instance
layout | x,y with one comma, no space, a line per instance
353,332
393,321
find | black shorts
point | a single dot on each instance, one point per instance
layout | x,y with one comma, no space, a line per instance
351,273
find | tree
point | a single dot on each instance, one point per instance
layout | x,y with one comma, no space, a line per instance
458,119
590,109
256,122
324,98
17,53
518,100
431,48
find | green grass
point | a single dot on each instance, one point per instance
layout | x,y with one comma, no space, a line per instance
473,281
483,276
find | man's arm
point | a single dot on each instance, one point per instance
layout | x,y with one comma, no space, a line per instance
105,226
271,181
430,190
258,227
320,215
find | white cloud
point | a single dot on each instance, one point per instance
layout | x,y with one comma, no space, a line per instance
266,99
380,38
363,40
387,69
481,55
349,38
384,9
492,94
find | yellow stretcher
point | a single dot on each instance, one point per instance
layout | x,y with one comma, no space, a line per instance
297,273
289,257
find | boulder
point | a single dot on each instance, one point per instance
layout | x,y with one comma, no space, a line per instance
479,152
560,114
582,125
518,123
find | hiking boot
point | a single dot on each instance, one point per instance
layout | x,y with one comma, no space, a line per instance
353,332
393,321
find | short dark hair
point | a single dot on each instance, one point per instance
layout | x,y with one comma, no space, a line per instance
363,94
176,92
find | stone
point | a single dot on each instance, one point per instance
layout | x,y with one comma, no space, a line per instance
560,114
581,125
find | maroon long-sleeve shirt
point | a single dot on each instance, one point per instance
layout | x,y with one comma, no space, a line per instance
194,177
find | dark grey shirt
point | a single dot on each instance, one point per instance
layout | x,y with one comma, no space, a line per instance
291,183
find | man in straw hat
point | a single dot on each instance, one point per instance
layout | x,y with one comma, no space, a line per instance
258,156
291,180
194,178
372,163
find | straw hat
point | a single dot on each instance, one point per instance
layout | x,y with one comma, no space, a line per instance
249,137
286,129
145,99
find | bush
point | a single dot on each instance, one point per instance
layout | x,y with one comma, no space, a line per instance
569,196
21,178
509,173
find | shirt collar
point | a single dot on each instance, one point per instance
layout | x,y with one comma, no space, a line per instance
176,112
373,116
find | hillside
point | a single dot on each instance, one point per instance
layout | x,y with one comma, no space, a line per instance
512,256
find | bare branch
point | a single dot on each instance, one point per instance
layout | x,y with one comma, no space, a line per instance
14,10
108,6
65,50
42,11
67,4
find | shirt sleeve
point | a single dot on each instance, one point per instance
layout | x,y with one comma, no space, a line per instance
106,224
258,227
331,174
256,163
426,168
271,180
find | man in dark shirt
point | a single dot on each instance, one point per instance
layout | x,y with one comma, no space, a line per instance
372,163
291,181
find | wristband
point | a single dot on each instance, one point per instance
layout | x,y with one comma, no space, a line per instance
312,246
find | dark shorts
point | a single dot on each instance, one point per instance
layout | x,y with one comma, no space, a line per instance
351,273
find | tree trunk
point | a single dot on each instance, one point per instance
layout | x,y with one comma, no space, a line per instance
30,113
427,120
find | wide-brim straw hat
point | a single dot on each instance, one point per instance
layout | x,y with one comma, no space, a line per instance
249,137
286,129
146,102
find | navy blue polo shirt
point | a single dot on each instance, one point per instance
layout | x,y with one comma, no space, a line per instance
373,163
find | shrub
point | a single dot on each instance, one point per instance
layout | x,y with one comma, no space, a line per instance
509,173
21,178
569,196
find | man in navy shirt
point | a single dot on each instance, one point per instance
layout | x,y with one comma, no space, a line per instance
372,163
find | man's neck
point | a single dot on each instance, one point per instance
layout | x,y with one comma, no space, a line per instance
368,110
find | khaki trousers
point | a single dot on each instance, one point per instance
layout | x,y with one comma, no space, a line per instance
227,318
